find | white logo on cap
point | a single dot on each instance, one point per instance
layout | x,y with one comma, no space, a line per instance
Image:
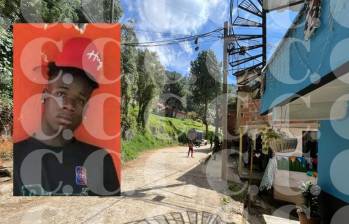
94,56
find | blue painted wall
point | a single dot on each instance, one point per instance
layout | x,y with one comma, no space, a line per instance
297,63
333,167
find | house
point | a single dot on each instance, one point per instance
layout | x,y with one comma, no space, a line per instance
307,78
160,109
181,115
250,125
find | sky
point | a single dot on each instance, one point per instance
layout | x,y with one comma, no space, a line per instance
168,19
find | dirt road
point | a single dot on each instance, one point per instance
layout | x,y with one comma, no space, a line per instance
162,186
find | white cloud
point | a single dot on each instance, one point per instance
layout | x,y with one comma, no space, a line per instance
186,47
181,16
178,17
169,56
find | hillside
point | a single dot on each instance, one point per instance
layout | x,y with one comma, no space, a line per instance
160,132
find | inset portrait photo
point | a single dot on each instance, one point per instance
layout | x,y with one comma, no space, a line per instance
66,110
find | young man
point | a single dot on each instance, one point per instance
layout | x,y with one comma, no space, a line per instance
52,161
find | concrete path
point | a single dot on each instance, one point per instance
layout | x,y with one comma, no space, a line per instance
162,186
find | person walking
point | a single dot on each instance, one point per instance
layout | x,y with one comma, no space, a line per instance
191,148
211,142
216,146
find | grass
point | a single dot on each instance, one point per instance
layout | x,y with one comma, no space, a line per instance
172,127
142,142
160,132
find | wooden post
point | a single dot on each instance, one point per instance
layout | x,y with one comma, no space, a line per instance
251,166
240,149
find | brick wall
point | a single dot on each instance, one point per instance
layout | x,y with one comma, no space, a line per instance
249,113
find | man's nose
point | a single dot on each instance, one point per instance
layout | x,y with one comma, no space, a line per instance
69,103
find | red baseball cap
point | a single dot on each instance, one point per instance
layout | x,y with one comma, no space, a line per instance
83,54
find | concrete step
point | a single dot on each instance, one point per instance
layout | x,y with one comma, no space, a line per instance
277,220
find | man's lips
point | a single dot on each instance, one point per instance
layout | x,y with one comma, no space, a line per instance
64,119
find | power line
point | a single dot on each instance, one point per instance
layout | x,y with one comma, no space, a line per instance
173,41
169,41
202,43
156,32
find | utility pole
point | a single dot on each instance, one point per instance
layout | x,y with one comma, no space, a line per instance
225,104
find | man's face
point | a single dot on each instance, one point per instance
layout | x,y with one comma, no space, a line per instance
65,100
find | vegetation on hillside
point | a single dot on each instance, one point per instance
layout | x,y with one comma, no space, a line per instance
160,132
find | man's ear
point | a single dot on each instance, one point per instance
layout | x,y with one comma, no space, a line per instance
44,95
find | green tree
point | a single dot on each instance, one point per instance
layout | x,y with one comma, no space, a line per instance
150,83
100,11
60,11
49,11
6,95
173,93
205,83
129,77
41,10
10,10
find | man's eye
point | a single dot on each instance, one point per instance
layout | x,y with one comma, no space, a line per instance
60,94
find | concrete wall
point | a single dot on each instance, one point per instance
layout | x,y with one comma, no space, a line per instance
298,63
